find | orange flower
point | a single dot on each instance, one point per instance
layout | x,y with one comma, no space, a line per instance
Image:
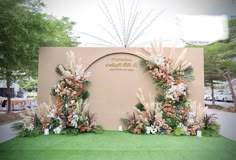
84,128
177,81
173,111
168,131
169,109
165,109
137,130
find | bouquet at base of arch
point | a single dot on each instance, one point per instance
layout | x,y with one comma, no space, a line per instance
146,118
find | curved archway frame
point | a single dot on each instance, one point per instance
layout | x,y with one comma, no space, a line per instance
110,54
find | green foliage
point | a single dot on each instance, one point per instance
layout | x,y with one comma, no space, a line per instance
27,133
70,131
211,127
58,70
53,92
160,98
130,123
171,121
17,126
23,132
143,64
54,123
178,131
124,120
208,120
211,131
75,131
98,129
188,74
140,106
84,95
28,84
117,146
23,30
232,30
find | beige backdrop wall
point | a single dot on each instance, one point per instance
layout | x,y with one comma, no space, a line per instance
115,78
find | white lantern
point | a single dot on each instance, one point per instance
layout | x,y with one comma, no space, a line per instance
46,131
199,133
120,128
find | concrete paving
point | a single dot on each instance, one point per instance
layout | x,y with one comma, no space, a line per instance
6,132
223,104
227,121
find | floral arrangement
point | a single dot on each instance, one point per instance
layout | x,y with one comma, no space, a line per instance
147,117
211,126
70,114
34,121
171,73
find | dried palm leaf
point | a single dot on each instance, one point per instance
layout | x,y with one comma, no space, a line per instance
199,110
42,111
156,51
82,106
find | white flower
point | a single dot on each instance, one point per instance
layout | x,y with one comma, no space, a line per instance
81,118
51,115
59,119
57,130
181,125
159,61
57,90
72,101
190,121
151,129
154,129
75,119
185,129
169,96
29,127
175,91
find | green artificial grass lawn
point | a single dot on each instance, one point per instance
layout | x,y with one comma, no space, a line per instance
113,145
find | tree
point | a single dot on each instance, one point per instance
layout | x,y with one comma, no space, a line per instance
217,62
59,33
232,31
23,29
219,59
209,77
28,84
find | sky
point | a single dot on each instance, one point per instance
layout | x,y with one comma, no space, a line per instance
88,16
